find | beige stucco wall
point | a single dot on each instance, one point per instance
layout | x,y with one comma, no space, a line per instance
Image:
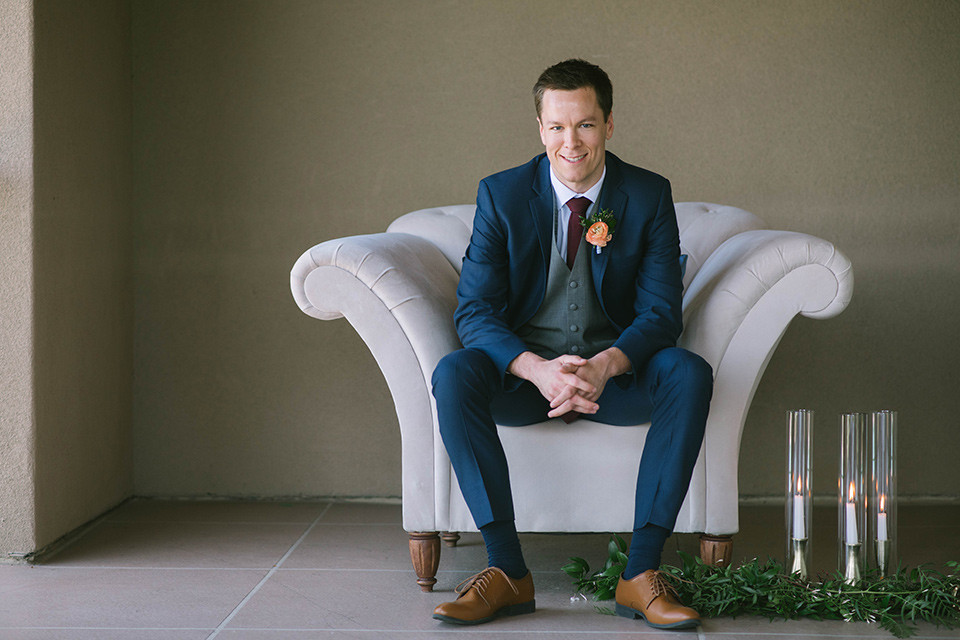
16,232
66,356
261,128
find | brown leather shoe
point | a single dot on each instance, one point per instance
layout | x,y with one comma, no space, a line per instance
488,595
648,596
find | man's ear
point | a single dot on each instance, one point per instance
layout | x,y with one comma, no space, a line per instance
610,125
540,125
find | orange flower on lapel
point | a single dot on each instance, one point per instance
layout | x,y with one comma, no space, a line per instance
599,228
598,234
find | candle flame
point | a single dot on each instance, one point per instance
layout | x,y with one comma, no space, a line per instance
883,503
799,485
853,492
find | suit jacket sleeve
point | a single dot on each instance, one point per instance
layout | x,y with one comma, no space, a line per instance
657,318
481,316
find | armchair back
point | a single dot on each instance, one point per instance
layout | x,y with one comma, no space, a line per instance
703,228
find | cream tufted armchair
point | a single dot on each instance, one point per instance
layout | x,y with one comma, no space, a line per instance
743,286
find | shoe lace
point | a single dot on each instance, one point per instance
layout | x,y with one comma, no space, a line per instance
660,585
481,581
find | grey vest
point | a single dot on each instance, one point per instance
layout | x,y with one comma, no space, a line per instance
570,320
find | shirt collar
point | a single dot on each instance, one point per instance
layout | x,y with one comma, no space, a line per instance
564,193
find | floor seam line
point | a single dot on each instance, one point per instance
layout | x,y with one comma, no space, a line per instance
270,573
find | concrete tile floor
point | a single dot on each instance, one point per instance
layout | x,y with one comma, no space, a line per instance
178,570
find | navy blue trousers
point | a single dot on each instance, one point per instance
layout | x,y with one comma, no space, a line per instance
672,393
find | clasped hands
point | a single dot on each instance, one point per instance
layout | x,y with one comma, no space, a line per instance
569,382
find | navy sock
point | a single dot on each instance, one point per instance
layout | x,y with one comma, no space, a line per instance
503,548
645,549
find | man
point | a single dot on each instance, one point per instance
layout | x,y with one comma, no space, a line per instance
548,320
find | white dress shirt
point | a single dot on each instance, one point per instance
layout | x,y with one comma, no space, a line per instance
563,193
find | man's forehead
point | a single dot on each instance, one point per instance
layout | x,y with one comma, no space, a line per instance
561,98
546,118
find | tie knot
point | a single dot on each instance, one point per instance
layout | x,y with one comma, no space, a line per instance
578,206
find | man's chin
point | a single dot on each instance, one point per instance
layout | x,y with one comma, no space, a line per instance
579,181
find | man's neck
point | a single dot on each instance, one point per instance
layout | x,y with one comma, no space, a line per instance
564,193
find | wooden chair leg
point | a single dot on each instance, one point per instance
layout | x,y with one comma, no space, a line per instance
450,538
716,550
425,554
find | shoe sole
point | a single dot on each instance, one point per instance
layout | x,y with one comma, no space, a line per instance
633,614
509,610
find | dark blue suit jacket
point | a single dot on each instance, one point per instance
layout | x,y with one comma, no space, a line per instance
636,276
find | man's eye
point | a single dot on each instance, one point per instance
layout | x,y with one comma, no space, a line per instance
586,125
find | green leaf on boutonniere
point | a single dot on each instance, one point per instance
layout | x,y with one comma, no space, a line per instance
601,215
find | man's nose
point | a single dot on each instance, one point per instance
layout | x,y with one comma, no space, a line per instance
571,139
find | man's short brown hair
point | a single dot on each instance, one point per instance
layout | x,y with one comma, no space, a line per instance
573,74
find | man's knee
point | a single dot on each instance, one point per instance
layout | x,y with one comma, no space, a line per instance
687,369
462,370
463,384
456,364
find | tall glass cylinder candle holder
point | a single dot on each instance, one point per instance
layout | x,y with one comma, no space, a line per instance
852,497
799,500
882,502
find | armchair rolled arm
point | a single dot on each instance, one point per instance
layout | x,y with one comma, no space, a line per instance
792,273
402,279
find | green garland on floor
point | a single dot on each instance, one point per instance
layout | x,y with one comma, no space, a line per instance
755,588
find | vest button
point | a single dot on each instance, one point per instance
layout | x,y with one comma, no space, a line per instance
573,284
573,327
574,349
573,307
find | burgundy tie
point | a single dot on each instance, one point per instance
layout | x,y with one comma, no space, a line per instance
578,207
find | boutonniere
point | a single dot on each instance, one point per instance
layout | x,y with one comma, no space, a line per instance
599,228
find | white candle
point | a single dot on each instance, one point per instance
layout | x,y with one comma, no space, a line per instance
852,537
799,526
882,519
881,526
799,523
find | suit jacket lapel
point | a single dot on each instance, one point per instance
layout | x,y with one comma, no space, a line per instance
542,210
615,200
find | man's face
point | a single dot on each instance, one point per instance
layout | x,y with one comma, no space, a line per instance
575,135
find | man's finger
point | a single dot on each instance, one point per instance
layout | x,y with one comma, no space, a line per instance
583,405
573,380
564,395
574,403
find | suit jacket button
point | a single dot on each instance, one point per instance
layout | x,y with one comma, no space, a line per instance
573,327
574,349
573,307
573,284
